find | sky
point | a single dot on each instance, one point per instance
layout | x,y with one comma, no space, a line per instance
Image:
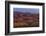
30,10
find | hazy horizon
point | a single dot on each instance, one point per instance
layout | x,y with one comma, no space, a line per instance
30,10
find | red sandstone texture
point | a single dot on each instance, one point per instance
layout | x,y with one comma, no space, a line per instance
26,20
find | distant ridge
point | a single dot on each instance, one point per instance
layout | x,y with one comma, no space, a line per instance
16,12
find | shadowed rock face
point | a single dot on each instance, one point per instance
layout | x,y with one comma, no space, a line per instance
26,20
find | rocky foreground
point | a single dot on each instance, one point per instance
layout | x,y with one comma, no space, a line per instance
26,20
